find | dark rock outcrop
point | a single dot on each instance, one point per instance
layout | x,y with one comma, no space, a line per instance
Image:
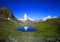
6,13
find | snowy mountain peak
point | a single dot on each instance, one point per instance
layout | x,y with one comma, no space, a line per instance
49,17
45,18
25,16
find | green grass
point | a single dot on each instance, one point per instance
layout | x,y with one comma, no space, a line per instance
47,29
5,28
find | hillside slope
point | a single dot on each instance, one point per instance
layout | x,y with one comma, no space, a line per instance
9,27
48,28
8,23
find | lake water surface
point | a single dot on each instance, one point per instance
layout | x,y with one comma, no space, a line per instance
27,29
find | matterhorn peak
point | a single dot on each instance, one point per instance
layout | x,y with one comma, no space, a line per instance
25,16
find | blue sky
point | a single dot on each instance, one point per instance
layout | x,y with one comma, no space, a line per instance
36,9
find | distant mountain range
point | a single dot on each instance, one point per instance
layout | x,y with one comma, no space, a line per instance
7,14
27,19
48,17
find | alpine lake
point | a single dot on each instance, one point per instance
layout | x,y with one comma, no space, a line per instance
28,34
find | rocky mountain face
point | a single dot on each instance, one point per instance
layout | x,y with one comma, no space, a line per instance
8,23
6,13
27,19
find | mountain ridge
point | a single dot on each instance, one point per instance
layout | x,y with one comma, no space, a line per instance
6,13
26,19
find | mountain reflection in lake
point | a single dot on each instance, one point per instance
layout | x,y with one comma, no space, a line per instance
27,29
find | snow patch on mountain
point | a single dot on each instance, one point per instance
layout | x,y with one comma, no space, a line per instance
26,18
48,17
